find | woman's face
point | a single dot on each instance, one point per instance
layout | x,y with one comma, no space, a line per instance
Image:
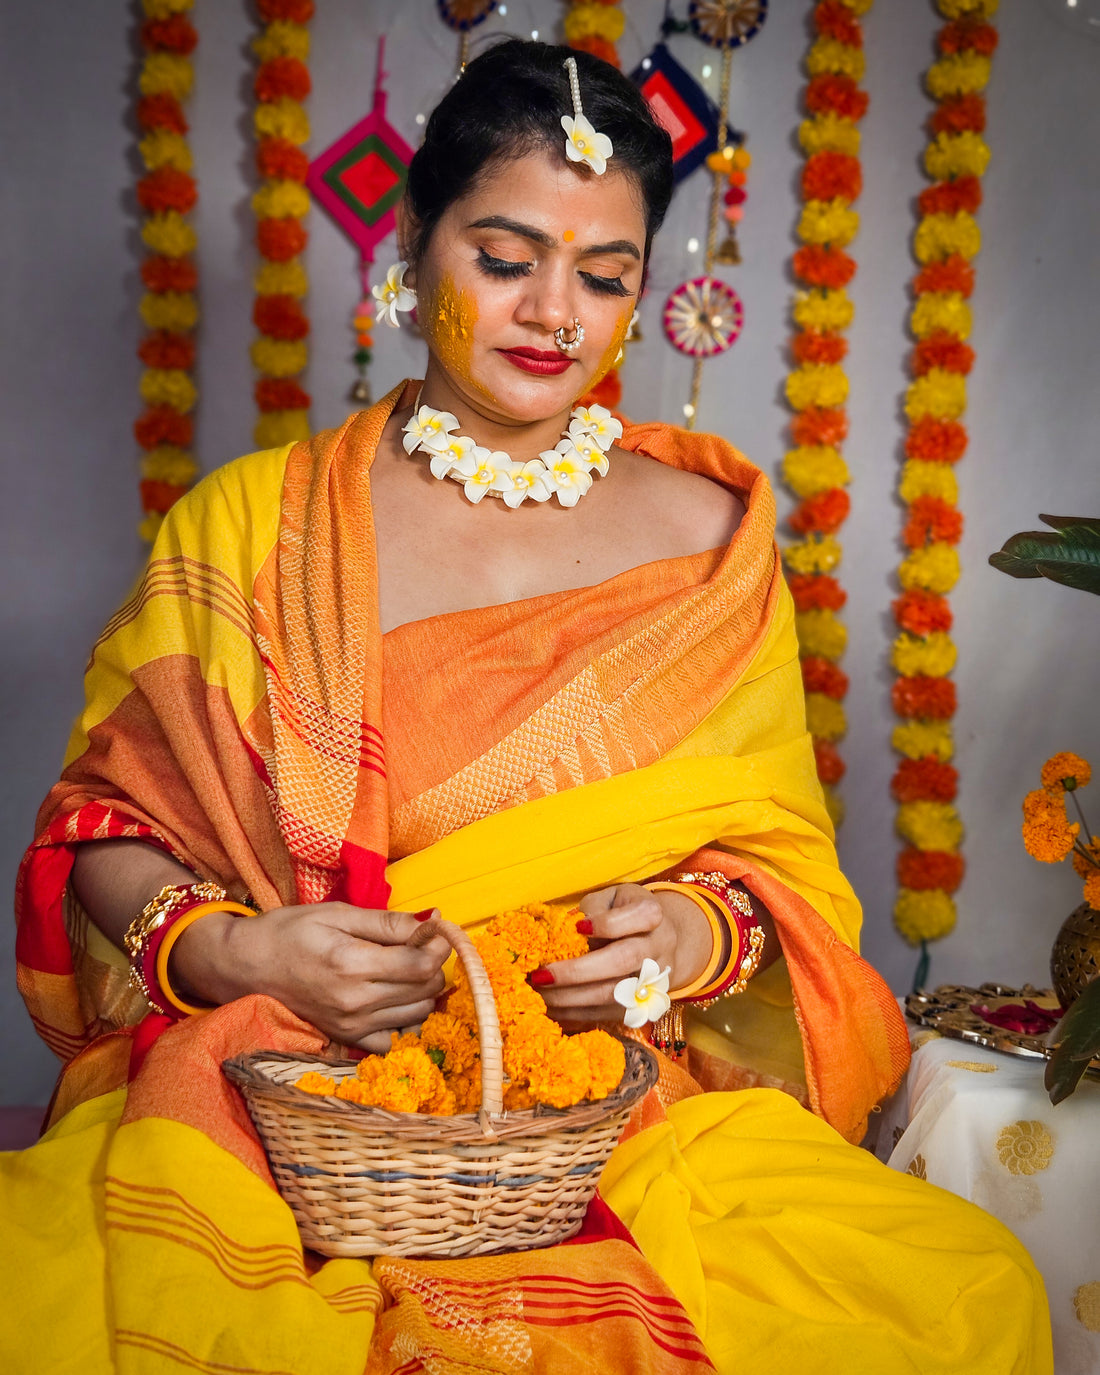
534,247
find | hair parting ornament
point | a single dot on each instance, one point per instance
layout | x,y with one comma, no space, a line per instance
582,142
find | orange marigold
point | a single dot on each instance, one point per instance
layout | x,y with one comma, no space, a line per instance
163,349
828,176
942,350
952,274
966,36
936,441
959,115
173,34
818,265
282,77
811,346
280,239
825,512
816,592
836,20
925,780
161,112
279,317
169,274
529,1043
836,94
820,425
830,766
159,496
931,519
281,394
820,675
163,425
1083,866
949,197
293,11
924,869
1048,835
924,698
1066,772
279,160
598,47
313,1082
921,612
606,1062
167,188
564,1077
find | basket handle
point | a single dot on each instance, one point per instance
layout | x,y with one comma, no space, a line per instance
488,1025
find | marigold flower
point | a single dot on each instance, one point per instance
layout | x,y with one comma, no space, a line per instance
281,199
1084,866
949,197
293,11
923,869
170,464
1048,835
161,111
937,393
280,240
915,739
273,429
162,148
921,612
932,655
166,74
816,592
819,675
278,160
813,555
162,425
822,266
829,131
810,469
935,568
963,73
565,1077
958,115
929,825
933,439
817,385
161,9
968,9
919,479
169,234
829,176
1066,772
281,394
820,633
169,274
954,273
825,717
923,697
824,513
278,357
168,387
282,76
934,312
924,916
817,426
817,309
925,780
837,94
282,119
163,350
174,34
932,519
811,346
175,311
593,20
281,38
942,350
314,1082
281,279
828,222
280,317
830,766
159,497
827,55
942,236
835,20
956,155
606,1062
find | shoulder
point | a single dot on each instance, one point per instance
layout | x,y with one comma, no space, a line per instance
698,511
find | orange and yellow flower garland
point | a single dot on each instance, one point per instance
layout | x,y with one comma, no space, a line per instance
817,388
169,308
930,867
280,353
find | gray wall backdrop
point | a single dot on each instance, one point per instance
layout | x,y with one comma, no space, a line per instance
69,256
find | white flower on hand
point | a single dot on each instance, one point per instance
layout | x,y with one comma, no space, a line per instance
567,472
451,450
583,144
646,997
599,423
393,295
523,480
482,468
429,429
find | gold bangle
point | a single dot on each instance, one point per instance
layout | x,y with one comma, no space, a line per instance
718,929
179,926
153,916
750,934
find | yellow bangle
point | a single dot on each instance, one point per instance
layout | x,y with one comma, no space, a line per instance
179,926
720,933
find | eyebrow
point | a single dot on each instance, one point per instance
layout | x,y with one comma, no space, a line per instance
528,231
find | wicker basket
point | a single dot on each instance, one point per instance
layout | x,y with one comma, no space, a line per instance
362,1181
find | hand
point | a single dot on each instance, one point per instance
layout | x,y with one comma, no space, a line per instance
347,970
628,924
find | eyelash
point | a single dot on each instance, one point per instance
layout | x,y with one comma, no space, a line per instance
503,267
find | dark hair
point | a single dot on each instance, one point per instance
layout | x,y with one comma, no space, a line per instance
508,102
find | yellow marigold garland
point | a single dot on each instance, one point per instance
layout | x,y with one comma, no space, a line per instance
280,353
169,309
817,387
947,239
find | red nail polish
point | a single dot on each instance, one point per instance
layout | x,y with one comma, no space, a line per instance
426,915
584,926
541,977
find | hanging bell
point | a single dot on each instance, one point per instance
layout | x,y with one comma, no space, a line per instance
360,392
729,254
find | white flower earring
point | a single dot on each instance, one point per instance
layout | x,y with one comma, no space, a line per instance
393,295
582,143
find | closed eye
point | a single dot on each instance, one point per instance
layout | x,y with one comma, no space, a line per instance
502,267
607,286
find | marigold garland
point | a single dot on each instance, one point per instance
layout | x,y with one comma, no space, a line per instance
438,1070
947,238
817,387
279,353
169,309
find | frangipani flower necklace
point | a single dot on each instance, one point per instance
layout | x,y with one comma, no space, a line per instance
564,471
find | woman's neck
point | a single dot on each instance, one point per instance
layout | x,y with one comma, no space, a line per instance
488,426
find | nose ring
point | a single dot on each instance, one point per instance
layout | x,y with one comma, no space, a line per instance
577,338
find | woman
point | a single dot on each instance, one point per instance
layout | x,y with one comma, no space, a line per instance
583,683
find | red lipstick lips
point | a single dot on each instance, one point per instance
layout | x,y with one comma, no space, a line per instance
538,361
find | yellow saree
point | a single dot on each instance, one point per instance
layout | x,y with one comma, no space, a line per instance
237,709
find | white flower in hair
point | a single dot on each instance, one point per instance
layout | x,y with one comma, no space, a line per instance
429,428
646,997
583,144
393,295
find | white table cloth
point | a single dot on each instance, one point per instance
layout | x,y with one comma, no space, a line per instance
979,1123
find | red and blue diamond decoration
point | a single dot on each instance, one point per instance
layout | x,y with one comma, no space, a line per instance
680,106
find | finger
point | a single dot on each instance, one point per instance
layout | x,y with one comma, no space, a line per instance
392,963
575,1017
384,1021
383,928
615,961
573,997
637,914
593,904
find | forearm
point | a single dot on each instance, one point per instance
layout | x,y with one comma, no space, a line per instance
114,879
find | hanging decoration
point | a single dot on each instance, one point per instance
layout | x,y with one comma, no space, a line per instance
462,16
680,106
725,25
817,388
359,181
169,309
280,353
595,26
930,867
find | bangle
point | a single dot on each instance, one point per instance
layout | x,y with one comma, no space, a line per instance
720,931
175,929
750,937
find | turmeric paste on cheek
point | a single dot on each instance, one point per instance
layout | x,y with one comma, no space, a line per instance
448,319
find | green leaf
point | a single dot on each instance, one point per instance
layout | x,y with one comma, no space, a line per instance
1070,556
1078,1043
